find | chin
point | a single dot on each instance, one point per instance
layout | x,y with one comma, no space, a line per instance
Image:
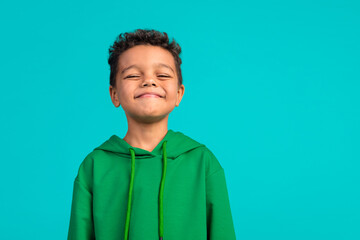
150,119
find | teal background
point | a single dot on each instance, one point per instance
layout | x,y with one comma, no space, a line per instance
271,87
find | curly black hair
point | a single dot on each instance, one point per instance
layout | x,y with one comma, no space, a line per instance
142,37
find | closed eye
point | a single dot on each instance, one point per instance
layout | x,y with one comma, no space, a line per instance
138,76
131,76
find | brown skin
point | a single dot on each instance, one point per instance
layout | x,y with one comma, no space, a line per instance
147,117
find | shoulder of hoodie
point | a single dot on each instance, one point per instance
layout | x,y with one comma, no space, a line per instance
212,164
85,172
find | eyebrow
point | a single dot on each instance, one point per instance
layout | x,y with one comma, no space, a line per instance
156,65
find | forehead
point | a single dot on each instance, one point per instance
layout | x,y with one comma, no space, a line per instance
145,55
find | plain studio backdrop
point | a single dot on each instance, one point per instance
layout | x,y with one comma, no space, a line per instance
271,87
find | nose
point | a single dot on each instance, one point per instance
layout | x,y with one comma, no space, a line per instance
149,81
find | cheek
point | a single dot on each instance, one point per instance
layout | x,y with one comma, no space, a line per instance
126,90
172,90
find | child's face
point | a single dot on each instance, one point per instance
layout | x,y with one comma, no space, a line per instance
148,74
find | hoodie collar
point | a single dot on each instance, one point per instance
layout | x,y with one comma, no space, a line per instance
177,144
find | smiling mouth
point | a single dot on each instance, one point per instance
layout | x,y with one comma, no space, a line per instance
149,96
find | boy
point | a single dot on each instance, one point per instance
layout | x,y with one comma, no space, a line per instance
154,183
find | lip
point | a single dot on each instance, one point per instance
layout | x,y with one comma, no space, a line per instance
149,95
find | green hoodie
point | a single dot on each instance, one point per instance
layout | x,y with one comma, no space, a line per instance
176,192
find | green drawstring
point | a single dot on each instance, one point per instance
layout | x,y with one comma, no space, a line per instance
161,213
132,152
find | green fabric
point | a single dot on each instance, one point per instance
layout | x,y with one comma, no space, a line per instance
190,203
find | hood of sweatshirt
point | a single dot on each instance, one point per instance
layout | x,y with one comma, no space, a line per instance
177,144
170,147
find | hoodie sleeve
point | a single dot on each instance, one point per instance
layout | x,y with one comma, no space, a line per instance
219,219
81,225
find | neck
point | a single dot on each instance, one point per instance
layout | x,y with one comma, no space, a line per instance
146,135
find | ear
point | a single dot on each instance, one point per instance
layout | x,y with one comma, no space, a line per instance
180,94
114,96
